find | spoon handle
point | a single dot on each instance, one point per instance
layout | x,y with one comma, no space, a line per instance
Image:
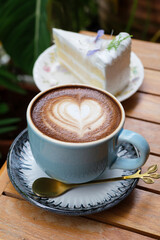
146,177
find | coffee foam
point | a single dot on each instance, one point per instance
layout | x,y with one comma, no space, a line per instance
76,114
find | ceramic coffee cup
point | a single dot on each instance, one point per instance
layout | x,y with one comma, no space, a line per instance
80,159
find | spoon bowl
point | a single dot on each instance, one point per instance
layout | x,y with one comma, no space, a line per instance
49,187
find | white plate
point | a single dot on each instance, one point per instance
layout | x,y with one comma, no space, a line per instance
48,72
23,170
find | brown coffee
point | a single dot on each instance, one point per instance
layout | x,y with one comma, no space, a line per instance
76,114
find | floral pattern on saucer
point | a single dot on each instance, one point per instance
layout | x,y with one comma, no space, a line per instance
48,72
23,170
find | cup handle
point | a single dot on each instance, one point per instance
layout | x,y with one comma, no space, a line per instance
140,143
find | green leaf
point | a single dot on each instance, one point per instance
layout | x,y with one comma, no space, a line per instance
7,129
10,81
23,32
4,108
116,42
8,121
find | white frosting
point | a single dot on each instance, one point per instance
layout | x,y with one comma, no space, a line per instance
104,59
83,44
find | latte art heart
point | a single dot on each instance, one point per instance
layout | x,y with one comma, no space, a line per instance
80,118
76,114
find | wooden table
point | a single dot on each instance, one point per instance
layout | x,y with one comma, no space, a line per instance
136,217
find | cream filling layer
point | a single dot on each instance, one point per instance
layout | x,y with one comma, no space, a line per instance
82,69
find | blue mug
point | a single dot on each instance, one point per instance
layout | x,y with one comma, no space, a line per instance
82,162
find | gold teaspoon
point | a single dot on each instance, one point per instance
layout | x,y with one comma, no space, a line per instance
50,188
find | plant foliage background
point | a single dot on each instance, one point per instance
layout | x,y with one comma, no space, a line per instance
24,32
26,26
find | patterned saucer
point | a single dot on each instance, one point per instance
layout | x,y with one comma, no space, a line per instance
48,72
23,170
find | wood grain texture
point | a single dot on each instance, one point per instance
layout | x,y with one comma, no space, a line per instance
151,83
143,106
148,130
21,220
4,179
12,192
149,53
139,212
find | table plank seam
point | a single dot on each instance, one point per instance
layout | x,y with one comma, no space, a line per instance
12,195
150,68
155,154
130,229
141,119
153,94
118,226
148,189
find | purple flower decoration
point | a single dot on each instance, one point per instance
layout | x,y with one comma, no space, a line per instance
91,52
100,33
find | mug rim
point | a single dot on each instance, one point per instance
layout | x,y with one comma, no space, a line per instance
76,144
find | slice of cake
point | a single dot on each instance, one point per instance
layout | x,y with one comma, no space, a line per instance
95,61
